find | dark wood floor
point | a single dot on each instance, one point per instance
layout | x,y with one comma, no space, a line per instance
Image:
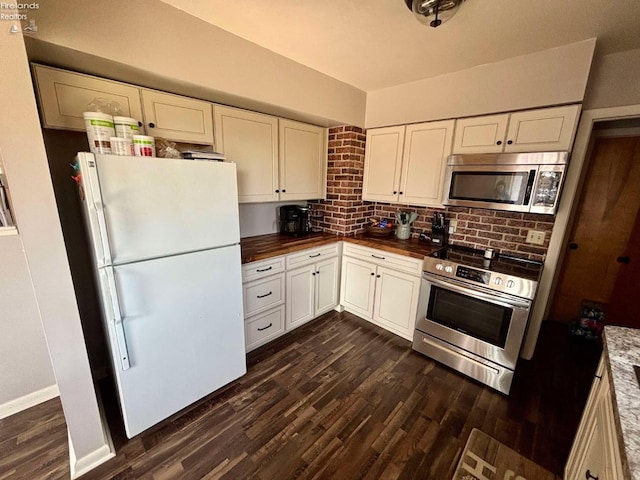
337,398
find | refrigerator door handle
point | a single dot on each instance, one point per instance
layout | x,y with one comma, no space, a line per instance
118,325
102,224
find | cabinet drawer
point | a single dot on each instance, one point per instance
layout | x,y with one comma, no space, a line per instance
397,262
263,268
261,295
312,255
262,328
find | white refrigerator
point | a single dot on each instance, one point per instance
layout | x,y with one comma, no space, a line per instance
165,241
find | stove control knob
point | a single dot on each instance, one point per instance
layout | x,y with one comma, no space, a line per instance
511,284
439,266
448,269
498,281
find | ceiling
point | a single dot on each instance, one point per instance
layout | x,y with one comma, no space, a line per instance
373,44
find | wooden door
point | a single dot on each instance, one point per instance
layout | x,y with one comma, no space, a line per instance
426,147
481,134
604,222
251,141
382,163
303,160
177,118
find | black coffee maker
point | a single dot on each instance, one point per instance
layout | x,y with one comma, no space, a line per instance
295,220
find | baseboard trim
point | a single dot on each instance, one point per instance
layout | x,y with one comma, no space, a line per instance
80,466
27,401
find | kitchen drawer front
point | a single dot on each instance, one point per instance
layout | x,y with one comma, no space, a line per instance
263,268
312,255
263,328
400,263
263,294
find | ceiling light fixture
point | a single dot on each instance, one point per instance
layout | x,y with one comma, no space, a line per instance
433,12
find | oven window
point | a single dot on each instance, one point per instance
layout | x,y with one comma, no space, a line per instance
494,187
483,320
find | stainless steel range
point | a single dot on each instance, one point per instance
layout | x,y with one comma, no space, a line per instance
476,310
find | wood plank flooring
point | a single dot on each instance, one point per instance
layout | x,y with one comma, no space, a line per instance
338,398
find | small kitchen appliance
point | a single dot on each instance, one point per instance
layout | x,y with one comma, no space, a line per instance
295,220
517,182
475,311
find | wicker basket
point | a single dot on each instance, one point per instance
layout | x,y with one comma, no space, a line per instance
377,231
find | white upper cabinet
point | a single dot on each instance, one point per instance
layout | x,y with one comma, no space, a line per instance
545,129
177,118
481,134
542,130
251,141
406,164
382,164
64,96
426,147
303,159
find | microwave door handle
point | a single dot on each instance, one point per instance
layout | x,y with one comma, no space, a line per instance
532,177
491,298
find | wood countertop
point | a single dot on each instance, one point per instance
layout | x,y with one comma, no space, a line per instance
274,244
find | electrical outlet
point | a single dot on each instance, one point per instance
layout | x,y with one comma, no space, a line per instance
536,237
452,226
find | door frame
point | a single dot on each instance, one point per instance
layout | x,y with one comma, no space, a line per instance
576,173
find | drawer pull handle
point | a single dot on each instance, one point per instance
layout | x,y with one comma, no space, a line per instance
379,258
263,269
588,476
316,255
265,295
264,328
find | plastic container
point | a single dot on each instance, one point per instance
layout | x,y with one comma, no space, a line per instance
126,127
144,146
121,146
100,129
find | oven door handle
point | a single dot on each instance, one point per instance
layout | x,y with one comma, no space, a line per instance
491,298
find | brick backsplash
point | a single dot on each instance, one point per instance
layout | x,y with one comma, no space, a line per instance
344,213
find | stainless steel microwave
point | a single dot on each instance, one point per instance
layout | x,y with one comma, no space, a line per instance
516,182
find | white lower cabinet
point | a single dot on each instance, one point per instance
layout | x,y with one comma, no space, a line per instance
263,328
382,295
311,291
595,452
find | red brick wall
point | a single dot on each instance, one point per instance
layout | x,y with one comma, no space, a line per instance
343,212
479,228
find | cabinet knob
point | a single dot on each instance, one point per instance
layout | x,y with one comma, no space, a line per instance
509,142
588,476
573,246
499,142
152,125
395,192
277,191
318,273
139,124
377,276
284,191
313,273
372,274
401,193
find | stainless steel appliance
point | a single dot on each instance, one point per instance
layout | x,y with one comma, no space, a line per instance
518,182
475,312
295,220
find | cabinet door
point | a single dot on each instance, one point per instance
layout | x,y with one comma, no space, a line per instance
357,286
382,163
251,140
480,134
263,328
396,301
177,118
327,281
303,161
426,147
542,130
300,296
64,96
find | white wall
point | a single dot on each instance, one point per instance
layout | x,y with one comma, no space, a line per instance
550,77
25,368
27,174
196,57
615,81
261,218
